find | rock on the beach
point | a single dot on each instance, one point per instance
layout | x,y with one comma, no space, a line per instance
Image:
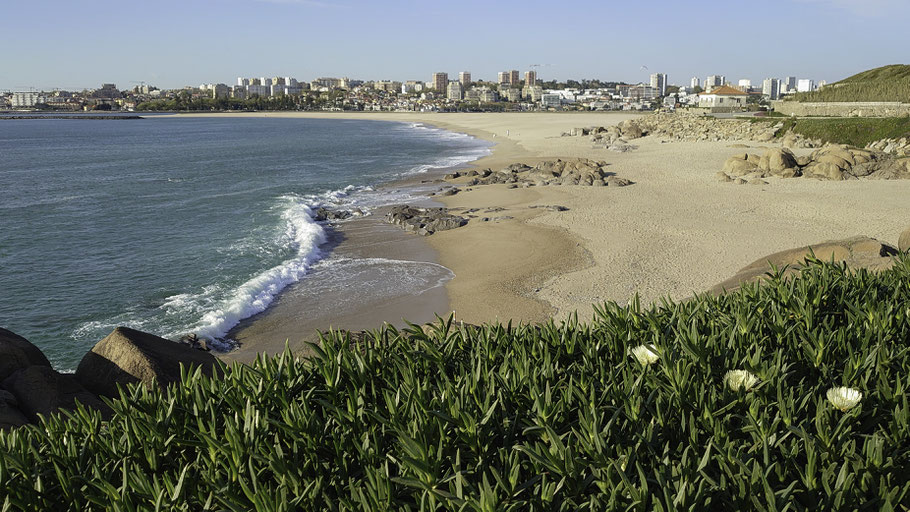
42,390
776,160
856,252
17,353
128,356
903,244
740,165
423,221
324,214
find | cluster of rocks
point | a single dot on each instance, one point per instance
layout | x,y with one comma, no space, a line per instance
687,127
898,147
325,214
30,387
424,221
581,171
832,162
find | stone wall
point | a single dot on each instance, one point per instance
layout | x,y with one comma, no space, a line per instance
842,109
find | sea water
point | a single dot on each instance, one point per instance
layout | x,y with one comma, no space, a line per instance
177,225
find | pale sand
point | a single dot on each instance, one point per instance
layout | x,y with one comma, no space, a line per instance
675,232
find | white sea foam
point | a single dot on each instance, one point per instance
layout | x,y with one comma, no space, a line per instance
255,295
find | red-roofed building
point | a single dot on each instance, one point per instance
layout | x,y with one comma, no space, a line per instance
723,96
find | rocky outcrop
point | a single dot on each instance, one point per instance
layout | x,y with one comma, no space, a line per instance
681,126
856,252
897,147
577,171
10,415
323,214
30,387
42,390
903,244
424,221
128,356
17,353
832,162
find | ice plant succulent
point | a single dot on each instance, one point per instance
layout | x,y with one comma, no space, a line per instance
844,398
740,380
645,354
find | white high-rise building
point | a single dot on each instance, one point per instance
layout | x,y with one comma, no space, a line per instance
770,87
745,83
243,82
659,83
805,85
695,82
790,84
713,81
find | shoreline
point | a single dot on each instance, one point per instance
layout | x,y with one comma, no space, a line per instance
675,232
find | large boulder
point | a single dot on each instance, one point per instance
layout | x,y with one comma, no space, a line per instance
903,244
777,160
824,170
631,129
856,252
10,415
42,390
739,165
128,356
17,353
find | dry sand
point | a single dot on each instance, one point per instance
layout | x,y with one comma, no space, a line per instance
675,232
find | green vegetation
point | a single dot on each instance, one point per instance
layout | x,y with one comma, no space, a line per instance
887,83
853,131
556,417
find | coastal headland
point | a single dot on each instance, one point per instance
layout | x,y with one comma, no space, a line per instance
676,231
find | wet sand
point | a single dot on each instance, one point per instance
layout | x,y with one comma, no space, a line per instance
378,253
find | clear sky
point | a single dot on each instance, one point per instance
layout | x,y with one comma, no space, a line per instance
75,44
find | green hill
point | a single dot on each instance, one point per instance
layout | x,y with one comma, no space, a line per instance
887,83
716,403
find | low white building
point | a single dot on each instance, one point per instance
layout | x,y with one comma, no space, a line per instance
26,99
723,96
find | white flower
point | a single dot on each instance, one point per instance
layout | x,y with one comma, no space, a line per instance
739,380
844,398
645,354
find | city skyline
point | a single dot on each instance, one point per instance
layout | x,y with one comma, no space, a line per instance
172,48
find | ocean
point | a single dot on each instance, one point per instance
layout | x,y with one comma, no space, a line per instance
184,225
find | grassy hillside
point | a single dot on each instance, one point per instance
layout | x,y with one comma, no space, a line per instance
853,131
567,417
887,83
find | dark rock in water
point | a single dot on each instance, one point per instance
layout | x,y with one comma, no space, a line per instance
129,356
324,214
449,192
424,221
17,353
42,390
10,415
194,341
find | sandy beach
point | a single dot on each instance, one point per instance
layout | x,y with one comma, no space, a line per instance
676,231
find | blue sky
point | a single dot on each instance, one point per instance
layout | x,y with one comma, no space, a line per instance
73,44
